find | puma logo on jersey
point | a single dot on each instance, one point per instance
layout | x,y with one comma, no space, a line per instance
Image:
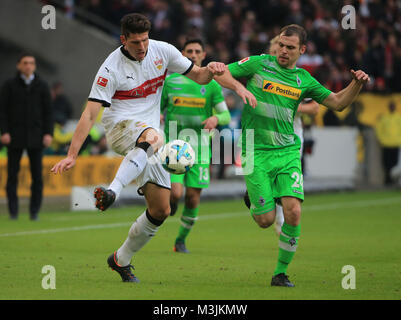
134,162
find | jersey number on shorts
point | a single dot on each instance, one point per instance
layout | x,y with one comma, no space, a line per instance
299,180
203,174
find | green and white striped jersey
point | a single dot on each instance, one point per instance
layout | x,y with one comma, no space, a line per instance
278,92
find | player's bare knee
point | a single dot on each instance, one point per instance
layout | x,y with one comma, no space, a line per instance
159,142
152,137
155,139
176,194
264,220
264,224
161,213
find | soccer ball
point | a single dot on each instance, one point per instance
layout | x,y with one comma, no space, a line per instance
177,156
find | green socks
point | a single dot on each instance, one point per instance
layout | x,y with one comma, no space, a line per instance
188,219
288,243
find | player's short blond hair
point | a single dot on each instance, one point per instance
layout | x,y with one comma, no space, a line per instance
272,43
274,40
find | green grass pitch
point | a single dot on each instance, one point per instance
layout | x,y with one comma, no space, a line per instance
231,257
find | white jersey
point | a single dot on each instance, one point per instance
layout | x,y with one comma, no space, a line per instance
131,90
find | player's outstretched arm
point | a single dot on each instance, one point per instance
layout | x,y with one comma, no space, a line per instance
84,125
342,99
203,75
227,81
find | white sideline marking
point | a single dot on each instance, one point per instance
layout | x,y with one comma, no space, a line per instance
340,205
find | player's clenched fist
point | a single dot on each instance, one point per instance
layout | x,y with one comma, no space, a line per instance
216,68
63,165
360,76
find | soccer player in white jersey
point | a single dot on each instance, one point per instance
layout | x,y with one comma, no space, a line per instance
129,85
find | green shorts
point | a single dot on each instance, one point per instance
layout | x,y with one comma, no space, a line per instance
276,174
197,177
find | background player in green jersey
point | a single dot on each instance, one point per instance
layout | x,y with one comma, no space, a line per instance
191,106
279,86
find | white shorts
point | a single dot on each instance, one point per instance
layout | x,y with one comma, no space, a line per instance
122,137
153,173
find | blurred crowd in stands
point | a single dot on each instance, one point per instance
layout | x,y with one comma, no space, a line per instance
234,29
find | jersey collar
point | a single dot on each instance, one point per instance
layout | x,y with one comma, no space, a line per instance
127,54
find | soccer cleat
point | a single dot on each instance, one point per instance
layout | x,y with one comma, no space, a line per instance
247,200
125,272
281,280
180,247
104,198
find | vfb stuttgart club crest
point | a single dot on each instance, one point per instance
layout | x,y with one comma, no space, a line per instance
158,63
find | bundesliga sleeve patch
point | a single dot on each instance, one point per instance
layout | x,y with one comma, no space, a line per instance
102,81
243,60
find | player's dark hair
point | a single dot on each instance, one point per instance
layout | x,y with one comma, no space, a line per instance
294,29
199,41
23,55
134,23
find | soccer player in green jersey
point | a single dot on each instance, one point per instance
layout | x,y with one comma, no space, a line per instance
307,106
193,106
279,86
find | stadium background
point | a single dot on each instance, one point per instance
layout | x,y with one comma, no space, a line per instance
231,258
87,30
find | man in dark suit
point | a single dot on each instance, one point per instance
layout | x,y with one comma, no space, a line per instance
26,123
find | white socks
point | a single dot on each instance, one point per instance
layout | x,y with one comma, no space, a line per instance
130,168
140,233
